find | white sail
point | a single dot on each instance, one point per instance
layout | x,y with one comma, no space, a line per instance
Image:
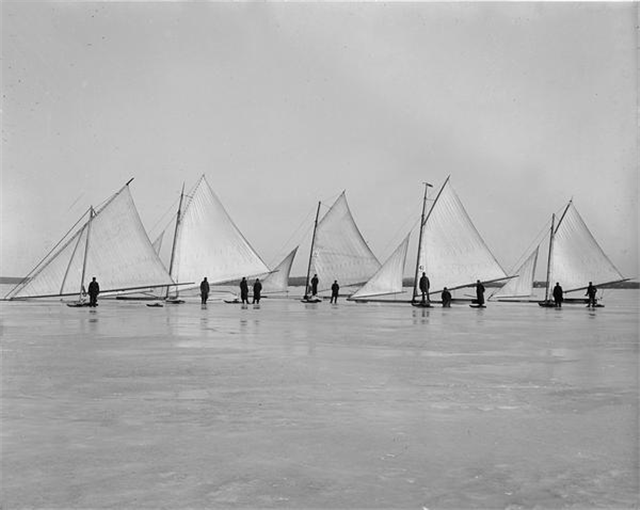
340,252
453,254
576,257
522,284
208,243
278,279
111,245
388,279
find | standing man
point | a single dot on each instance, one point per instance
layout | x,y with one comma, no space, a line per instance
257,288
204,291
314,285
244,291
424,287
334,292
591,293
557,295
94,290
479,293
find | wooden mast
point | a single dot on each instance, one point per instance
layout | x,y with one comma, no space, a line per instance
175,239
313,239
422,221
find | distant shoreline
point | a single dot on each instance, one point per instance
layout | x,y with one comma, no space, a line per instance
299,281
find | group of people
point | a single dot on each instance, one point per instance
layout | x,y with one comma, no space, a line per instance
558,295
424,285
335,289
244,291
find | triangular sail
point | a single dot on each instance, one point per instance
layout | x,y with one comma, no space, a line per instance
111,245
388,279
278,279
453,254
340,252
522,284
577,258
209,243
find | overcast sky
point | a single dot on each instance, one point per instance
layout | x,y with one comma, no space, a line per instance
525,105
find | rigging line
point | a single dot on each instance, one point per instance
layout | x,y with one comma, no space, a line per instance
168,211
537,241
401,231
293,235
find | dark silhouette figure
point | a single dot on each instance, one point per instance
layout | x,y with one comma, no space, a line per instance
557,295
94,290
424,285
257,288
591,294
335,288
479,293
244,291
446,298
204,291
314,285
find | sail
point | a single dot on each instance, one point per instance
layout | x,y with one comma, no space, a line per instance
522,284
340,252
278,279
111,245
576,257
453,254
388,279
208,243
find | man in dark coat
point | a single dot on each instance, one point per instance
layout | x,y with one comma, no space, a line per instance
257,288
94,290
479,293
244,291
424,287
335,288
591,294
314,285
446,298
204,291
557,295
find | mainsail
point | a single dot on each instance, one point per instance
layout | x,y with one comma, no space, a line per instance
388,279
452,252
278,279
576,258
522,284
111,244
208,243
339,250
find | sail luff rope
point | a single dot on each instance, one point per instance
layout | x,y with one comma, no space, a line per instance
73,254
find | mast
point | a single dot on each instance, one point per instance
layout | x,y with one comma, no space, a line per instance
313,239
424,206
175,238
86,249
551,237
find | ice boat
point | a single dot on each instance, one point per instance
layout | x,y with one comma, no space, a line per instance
109,243
450,249
338,250
207,242
574,259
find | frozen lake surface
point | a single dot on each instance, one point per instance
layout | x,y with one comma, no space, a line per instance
318,406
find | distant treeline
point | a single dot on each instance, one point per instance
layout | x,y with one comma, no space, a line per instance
299,281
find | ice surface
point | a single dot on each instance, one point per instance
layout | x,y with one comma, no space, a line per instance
318,406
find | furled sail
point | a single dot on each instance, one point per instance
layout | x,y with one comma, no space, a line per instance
208,243
453,254
340,252
522,284
111,245
576,258
388,279
278,279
